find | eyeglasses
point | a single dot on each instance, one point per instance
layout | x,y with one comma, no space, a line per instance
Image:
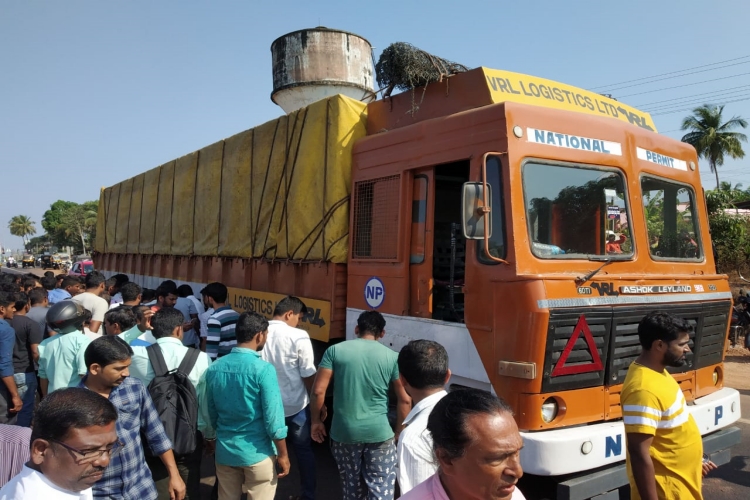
87,457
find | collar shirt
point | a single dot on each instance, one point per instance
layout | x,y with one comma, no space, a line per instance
198,304
61,359
290,352
244,406
32,484
57,295
432,489
415,458
174,352
221,335
127,477
7,344
135,333
187,308
14,450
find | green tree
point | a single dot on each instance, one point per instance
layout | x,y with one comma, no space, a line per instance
80,221
23,226
713,139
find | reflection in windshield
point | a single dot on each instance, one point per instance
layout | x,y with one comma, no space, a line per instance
87,268
576,212
670,220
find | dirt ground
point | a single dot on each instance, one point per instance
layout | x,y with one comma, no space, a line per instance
737,367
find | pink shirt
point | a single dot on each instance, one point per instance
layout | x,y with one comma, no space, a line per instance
432,489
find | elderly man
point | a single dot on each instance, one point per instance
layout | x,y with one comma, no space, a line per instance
477,447
71,444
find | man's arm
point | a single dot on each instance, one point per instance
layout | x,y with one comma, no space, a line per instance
94,326
10,384
317,398
642,465
282,459
177,487
6,370
34,349
44,385
403,405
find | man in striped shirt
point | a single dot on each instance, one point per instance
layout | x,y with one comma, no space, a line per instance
221,337
664,445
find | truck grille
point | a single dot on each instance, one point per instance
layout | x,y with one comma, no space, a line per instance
615,334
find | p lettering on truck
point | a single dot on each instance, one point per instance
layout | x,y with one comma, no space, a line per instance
613,447
718,414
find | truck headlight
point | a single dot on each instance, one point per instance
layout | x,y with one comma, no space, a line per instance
549,410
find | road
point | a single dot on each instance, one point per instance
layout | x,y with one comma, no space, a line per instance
728,482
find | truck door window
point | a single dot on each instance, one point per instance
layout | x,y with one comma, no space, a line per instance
418,219
671,221
575,212
497,240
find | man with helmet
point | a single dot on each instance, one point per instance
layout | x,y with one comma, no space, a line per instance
61,361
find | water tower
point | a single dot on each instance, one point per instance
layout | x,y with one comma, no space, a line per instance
312,64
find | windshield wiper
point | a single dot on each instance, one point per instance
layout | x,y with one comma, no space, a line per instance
583,279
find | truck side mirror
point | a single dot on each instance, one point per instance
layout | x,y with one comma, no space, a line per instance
473,211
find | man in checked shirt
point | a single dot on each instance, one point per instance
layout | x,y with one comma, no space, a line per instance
128,477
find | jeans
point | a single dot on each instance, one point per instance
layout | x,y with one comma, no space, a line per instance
367,470
26,384
298,435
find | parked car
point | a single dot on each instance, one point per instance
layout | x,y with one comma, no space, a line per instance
27,260
82,268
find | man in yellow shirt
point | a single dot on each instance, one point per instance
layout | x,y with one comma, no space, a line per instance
665,448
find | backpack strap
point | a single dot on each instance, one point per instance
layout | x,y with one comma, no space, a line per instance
157,360
188,362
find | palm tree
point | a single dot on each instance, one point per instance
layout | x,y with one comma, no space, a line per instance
713,139
23,226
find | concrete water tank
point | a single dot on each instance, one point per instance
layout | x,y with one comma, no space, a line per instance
312,64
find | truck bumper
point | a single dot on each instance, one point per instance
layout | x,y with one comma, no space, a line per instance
572,450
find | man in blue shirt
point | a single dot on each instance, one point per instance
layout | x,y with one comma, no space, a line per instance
244,406
10,402
128,477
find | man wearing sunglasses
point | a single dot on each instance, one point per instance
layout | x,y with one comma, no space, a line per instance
72,441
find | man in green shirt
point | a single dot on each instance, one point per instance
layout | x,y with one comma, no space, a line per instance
61,361
362,440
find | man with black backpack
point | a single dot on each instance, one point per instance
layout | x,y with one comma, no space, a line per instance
174,375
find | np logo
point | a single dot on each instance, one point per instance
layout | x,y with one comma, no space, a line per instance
374,293
605,289
613,446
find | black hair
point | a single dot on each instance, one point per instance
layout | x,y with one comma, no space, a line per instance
249,325
169,285
424,364
139,310
184,291
7,298
289,303
94,279
70,281
216,291
121,315
130,291
447,422
165,321
120,279
22,300
61,276
49,274
10,287
370,322
163,291
106,350
37,296
148,294
70,408
49,282
30,282
662,326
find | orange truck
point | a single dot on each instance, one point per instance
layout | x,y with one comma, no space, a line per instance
524,224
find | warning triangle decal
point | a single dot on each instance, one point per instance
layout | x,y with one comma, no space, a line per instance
596,361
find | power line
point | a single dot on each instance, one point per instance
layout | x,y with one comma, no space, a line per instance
674,76
671,73
684,85
690,109
701,100
687,97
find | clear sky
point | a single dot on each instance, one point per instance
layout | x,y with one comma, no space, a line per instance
93,92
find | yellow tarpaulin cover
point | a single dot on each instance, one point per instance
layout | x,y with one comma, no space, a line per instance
280,190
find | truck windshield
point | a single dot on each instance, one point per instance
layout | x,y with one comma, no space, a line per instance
576,213
670,220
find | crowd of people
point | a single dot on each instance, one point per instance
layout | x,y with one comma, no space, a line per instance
109,393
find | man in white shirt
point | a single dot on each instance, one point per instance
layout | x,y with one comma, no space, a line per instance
91,299
203,318
423,370
72,441
190,312
290,351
